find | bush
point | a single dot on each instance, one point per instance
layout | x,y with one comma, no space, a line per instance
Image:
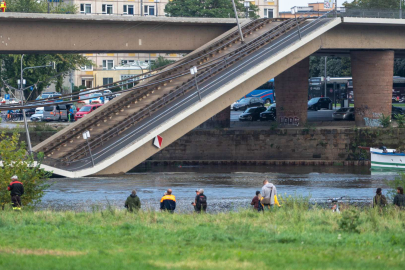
385,121
400,118
399,181
350,221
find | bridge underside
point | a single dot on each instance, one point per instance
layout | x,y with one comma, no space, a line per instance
331,37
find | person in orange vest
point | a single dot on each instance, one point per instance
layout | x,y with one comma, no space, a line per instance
168,202
16,189
3,6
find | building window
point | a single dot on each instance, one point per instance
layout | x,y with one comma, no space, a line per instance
128,9
108,64
268,13
87,68
85,8
107,81
149,11
88,83
125,62
107,9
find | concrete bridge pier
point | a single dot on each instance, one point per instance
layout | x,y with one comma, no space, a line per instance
373,73
292,94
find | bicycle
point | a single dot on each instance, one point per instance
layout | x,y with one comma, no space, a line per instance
335,207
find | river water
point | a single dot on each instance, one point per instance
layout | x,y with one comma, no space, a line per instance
226,188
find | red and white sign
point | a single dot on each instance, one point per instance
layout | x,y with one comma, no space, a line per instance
158,141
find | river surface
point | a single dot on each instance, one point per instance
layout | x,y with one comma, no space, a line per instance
226,188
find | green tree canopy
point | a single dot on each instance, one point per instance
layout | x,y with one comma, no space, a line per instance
160,62
35,6
373,4
208,8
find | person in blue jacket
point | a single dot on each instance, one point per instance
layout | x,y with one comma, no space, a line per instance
168,202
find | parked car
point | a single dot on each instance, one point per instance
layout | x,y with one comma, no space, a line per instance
50,95
252,114
38,115
269,114
29,112
344,114
249,102
11,101
395,111
319,103
86,110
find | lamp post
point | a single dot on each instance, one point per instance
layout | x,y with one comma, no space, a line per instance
294,11
22,98
193,71
237,21
326,59
400,9
86,136
247,5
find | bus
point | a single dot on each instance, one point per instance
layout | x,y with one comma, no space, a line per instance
265,92
316,88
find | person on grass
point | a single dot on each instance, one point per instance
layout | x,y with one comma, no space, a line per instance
133,203
379,199
399,199
256,202
201,202
168,202
16,189
268,192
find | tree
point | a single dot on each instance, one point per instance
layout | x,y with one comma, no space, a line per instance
373,4
160,62
16,162
10,64
208,8
336,66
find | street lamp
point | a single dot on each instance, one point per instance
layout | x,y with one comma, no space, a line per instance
247,5
22,98
86,136
237,21
400,9
193,71
294,11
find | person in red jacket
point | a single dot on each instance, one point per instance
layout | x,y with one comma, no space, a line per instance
16,189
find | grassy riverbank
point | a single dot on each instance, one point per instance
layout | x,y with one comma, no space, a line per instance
289,238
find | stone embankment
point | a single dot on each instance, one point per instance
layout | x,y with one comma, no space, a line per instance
297,146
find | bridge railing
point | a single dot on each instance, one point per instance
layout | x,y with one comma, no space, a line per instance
373,13
220,65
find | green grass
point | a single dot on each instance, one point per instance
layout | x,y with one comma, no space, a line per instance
288,238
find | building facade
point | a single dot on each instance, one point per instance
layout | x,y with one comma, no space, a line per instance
313,9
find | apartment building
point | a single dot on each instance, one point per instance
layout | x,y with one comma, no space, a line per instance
112,66
313,9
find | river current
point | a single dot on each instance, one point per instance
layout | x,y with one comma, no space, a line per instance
226,188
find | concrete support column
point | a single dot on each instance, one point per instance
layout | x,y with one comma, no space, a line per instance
372,73
292,95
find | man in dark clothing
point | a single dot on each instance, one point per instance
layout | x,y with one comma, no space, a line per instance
133,203
197,192
379,199
168,202
16,189
201,204
399,199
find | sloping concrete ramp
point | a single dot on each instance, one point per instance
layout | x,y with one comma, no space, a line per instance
169,104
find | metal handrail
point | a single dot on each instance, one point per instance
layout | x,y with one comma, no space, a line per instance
201,77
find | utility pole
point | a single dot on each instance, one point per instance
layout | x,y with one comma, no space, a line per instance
400,9
237,21
141,7
23,110
335,8
326,59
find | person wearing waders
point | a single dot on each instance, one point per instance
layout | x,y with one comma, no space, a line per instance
133,203
16,189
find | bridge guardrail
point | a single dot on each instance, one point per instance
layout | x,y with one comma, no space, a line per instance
372,13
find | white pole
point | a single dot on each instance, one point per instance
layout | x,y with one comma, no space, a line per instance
237,21
23,110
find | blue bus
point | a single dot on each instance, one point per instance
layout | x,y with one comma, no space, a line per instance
265,92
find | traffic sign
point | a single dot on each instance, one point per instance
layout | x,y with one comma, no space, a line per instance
7,96
158,141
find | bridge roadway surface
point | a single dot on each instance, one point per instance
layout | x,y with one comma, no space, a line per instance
176,107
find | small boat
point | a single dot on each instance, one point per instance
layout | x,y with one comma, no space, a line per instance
386,159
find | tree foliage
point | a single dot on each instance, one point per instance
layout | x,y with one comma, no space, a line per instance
15,161
160,62
35,6
208,8
336,67
373,4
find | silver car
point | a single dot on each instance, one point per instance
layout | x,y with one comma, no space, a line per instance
344,114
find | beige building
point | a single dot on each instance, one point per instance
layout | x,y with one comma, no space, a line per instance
313,9
106,64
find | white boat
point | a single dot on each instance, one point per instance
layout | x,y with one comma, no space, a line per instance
387,159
